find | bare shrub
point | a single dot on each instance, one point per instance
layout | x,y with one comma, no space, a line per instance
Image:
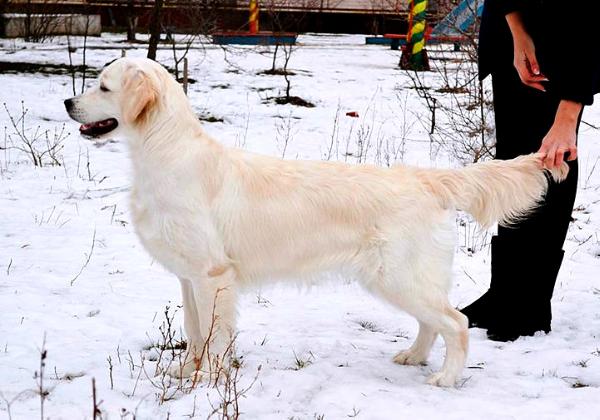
287,22
230,389
167,352
285,128
42,147
39,26
83,67
334,142
390,150
460,106
461,111
222,373
42,390
366,141
200,21
472,238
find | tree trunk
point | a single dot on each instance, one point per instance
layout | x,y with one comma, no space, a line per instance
28,29
288,86
131,21
3,8
131,28
155,29
287,50
275,58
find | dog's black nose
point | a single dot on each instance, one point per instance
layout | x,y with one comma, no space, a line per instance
69,104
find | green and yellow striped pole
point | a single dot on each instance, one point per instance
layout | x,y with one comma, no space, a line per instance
416,55
253,22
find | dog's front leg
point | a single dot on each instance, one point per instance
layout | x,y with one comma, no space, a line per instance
209,320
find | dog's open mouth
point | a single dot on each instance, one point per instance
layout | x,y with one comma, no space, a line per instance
99,127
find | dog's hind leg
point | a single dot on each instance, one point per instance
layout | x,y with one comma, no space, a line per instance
453,326
418,353
436,315
419,286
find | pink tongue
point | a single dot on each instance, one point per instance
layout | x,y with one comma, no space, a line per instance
96,124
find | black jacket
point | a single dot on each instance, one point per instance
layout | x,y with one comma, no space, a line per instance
566,37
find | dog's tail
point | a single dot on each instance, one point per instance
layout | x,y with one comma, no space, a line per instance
497,190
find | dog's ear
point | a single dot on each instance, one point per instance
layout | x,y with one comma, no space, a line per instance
140,95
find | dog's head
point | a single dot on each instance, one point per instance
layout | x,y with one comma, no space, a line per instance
126,95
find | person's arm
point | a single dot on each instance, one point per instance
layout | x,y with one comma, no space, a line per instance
525,61
575,81
562,137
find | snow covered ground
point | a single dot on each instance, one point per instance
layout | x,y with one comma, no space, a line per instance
323,352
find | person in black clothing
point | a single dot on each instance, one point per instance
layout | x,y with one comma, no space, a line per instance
544,60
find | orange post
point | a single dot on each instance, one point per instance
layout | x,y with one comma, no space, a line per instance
253,22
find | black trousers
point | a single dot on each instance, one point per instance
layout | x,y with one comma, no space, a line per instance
523,117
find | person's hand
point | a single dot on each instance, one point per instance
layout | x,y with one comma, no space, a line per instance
525,61
561,140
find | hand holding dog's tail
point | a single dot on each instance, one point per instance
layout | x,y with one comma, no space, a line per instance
497,190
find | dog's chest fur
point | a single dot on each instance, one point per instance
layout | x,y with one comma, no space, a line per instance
172,222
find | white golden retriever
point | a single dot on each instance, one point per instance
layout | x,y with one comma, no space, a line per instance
221,218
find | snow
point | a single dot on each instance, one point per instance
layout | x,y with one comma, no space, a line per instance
324,351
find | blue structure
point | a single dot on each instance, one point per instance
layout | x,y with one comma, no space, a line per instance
377,40
459,20
260,38
451,29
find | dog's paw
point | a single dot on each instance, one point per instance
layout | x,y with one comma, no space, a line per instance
184,371
410,357
441,379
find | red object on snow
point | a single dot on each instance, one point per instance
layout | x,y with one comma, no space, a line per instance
352,114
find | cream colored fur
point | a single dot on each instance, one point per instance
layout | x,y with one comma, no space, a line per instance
221,219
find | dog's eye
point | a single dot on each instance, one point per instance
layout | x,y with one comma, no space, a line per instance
104,88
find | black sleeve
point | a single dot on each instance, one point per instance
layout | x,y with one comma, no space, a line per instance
501,8
509,6
579,82
578,72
